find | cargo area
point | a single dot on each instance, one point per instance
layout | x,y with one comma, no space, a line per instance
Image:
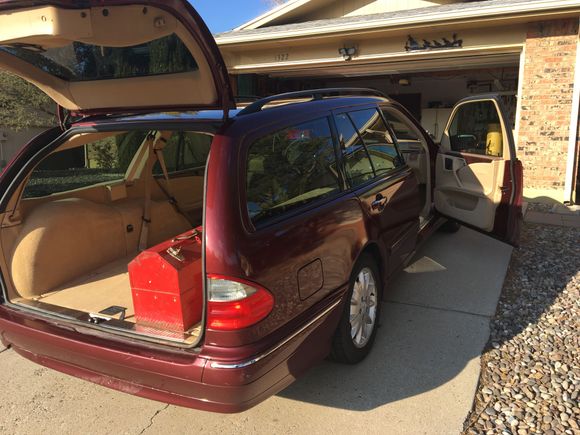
105,230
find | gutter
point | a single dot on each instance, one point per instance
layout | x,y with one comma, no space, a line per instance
481,13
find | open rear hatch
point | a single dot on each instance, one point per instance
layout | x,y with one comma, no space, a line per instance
100,57
108,56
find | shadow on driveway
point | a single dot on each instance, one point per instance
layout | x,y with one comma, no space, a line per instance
434,323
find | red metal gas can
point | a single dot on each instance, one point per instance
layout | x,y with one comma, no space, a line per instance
166,283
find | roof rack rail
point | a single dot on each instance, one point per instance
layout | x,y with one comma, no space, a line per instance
315,94
246,98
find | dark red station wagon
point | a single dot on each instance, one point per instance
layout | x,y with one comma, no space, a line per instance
166,243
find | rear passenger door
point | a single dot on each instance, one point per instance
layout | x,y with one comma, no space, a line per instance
376,172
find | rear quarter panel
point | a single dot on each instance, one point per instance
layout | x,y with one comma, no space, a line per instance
334,232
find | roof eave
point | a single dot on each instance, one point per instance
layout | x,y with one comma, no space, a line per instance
272,14
522,10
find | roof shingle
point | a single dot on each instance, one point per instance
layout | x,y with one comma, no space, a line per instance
408,13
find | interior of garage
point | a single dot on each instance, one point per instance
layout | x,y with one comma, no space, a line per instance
428,95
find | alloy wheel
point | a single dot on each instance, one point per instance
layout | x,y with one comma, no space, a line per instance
363,307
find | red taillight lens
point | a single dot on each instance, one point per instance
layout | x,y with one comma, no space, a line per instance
235,304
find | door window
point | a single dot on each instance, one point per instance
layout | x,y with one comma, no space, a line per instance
476,128
290,168
358,166
377,139
408,137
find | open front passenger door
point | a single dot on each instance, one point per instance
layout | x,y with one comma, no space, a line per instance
478,178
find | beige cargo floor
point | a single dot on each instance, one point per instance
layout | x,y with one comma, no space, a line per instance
100,289
107,286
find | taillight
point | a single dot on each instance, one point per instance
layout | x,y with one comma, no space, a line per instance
235,304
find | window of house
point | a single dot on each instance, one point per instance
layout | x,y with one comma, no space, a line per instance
185,150
476,128
290,168
377,140
97,162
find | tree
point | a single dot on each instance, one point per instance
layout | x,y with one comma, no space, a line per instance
22,105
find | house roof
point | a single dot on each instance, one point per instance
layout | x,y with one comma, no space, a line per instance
280,10
431,14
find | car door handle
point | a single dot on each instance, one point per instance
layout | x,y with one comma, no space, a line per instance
379,202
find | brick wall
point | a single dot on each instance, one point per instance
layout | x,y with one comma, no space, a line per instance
547,90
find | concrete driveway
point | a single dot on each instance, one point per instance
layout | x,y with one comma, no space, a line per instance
420,377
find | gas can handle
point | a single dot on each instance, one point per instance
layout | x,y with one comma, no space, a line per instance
175,252
193,235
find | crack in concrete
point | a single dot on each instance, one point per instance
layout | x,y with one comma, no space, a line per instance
151,420
411,304
4,349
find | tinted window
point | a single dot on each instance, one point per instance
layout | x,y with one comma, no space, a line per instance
409,140
78,61
377,139
356,159
94,163
289,168
476,128
185,150
405,133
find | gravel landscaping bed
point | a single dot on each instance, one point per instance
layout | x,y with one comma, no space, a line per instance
530,369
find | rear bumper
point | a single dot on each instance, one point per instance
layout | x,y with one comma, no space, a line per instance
185,379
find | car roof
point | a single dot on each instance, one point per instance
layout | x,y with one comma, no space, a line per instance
330,103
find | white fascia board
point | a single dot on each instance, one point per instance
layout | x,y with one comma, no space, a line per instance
425,17
272,14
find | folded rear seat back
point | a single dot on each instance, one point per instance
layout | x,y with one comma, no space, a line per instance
64,239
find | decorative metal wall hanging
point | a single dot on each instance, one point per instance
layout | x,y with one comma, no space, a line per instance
444,43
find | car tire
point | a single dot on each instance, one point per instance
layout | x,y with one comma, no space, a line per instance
450,227
358,325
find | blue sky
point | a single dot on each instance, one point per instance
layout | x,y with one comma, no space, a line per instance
222,15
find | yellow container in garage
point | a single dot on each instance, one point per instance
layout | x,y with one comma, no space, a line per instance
494,140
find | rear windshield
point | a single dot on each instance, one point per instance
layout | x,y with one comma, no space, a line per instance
78,61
